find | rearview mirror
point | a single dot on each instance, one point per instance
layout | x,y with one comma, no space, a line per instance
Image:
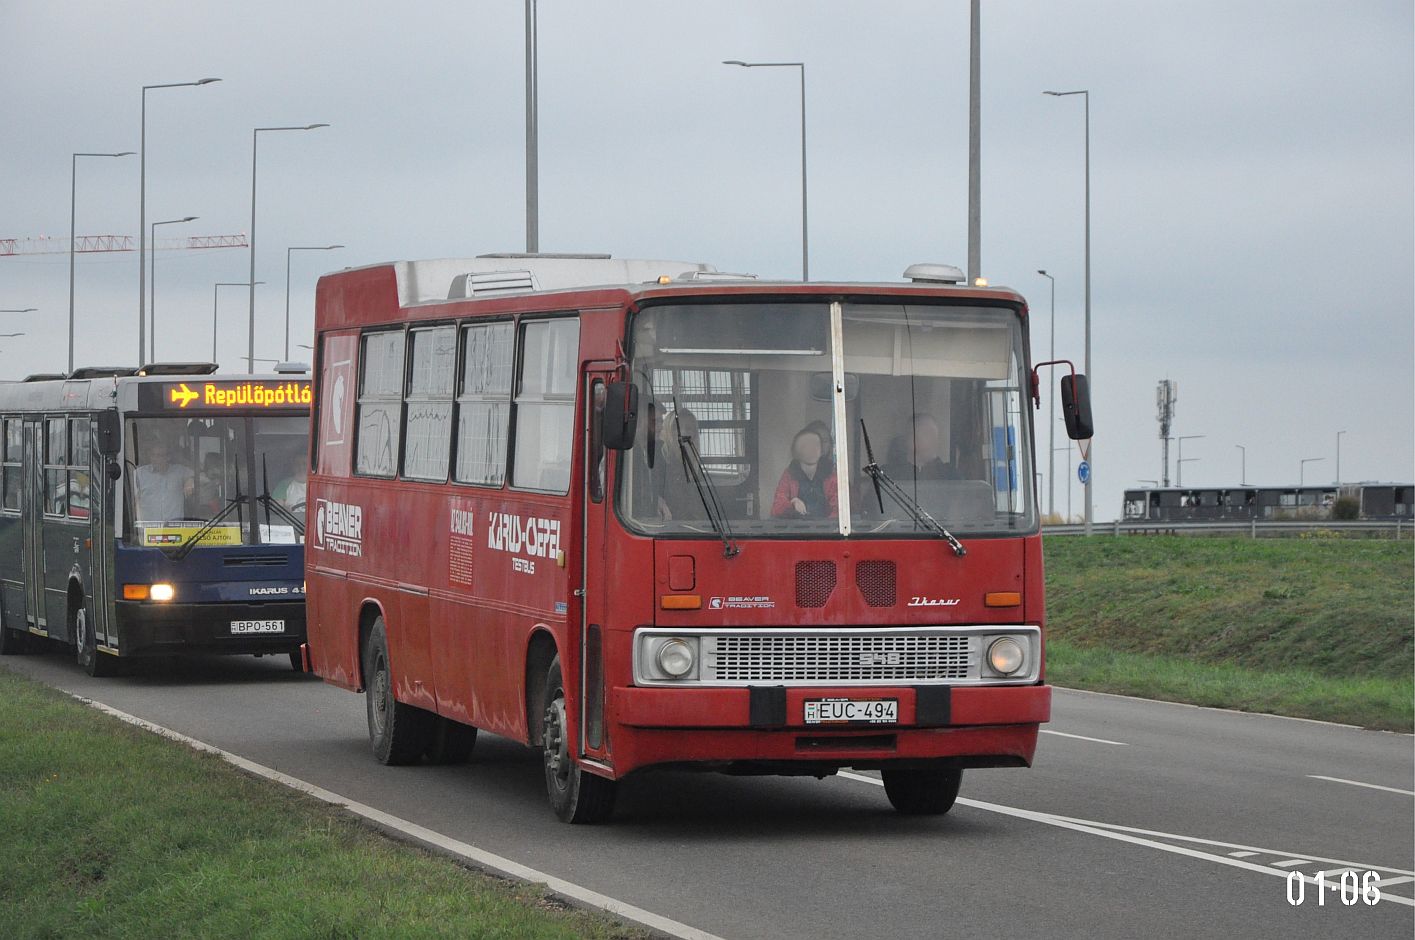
620,416
1076,407
110,433
822,386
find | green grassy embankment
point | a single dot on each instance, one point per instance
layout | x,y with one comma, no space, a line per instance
1311,628
108,830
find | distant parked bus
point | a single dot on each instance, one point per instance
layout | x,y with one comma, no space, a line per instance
641,514
1372,501
153,511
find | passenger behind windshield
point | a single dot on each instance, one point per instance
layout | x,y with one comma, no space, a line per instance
161,487
915,455
807,487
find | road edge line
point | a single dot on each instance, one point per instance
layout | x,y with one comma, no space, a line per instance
421,835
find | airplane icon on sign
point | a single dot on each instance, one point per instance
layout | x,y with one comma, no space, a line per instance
183,396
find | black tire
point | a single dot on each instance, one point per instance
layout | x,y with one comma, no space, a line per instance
576,795
95,663
397,731
922,792
450,742
296,662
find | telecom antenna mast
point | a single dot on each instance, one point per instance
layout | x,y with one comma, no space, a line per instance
1165,397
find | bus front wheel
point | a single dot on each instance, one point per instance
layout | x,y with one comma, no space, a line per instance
397,731
576,795
928,791
94,663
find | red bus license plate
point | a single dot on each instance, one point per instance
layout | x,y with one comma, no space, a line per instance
851,711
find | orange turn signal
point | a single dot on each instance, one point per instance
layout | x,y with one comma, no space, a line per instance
135,592
680,601
1002,599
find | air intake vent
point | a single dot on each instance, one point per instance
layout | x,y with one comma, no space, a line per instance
815,580
263,560
875,579
491,283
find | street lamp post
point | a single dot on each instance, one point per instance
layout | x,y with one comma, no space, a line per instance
142,207
152,282
1338,457
1068,479
1302,469
1243,465
1051,397
73,199
532,134
214,292
287,284
1179,468
805,237
255,141
1179,464
1090,378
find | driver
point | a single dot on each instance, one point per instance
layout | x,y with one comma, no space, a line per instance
160,488
291,490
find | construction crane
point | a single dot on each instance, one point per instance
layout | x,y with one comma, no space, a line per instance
44,245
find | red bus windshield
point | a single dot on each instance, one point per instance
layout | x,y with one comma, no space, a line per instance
937,389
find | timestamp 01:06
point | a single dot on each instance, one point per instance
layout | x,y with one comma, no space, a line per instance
1351,886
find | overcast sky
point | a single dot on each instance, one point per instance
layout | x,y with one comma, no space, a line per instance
1253,219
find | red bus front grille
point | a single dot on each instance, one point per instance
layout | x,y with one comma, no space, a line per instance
875,579
815,581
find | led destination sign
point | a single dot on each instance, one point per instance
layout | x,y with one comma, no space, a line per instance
224,396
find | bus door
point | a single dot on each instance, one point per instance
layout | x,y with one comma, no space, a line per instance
32,524
100,535
595,573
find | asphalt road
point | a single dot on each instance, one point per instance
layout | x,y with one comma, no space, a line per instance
1176,821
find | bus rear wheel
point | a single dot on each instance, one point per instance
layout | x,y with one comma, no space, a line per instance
397,731
95,663
929,791
576,795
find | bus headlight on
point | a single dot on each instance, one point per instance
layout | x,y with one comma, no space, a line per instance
1005,656
676,658
162,592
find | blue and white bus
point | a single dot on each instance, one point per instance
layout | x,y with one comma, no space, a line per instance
153,511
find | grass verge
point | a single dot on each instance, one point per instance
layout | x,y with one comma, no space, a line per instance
1308,628
108,830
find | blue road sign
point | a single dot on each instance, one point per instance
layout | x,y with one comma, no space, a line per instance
1083,471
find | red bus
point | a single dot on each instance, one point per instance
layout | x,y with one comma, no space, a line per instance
643,514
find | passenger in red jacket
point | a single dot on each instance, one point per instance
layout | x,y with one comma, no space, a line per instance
807,487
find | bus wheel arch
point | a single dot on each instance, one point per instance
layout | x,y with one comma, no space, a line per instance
540,653
86,653
369,614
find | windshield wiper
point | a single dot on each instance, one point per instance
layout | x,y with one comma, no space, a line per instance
232,504
885,484
707,491
270,502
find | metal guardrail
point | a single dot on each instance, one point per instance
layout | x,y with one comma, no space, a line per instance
1397,529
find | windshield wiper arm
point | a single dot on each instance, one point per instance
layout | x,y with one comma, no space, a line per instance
885,483
270,502
707,491
233,503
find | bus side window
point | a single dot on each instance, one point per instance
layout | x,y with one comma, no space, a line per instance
427,421
595,458
380,407
483,403
56,454
545,405
79,484
13,444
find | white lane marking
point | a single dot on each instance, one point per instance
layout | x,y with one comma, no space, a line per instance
1123,834
1082,737
1403,879
1358,783
1291,863
1242,854
428,837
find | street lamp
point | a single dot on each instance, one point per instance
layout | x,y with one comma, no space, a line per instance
1338,457
1068,478
1179,464
1090,379
255,141
214,292
73,193
20,310
142,207
152,279
1243,465
1302,469
287,284
532,134
805,243
1051,396
1179,468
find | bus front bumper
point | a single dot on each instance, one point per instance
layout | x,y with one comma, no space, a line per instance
742,729
146,628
